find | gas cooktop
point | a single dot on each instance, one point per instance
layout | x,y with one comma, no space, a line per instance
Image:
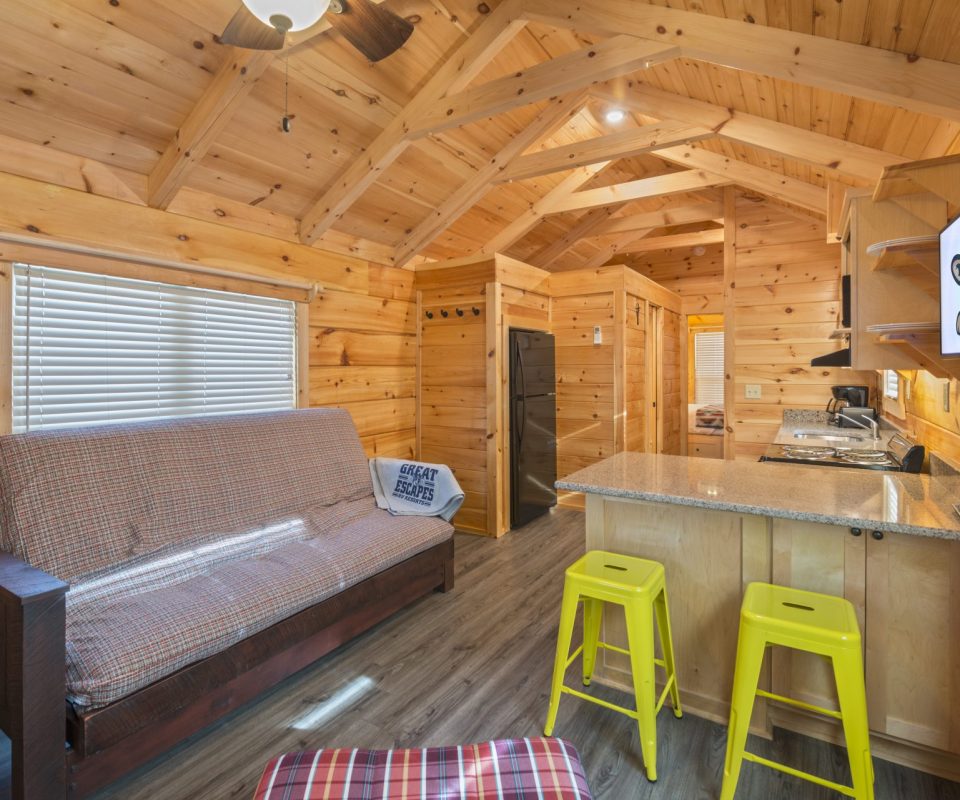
903,456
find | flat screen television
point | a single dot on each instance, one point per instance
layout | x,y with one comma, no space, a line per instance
950,289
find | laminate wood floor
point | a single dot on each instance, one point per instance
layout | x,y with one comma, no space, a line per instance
474,665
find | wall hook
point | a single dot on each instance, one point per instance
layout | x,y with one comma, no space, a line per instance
459,312
476,311
429,315
444,313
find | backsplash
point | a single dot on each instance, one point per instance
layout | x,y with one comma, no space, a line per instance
805,416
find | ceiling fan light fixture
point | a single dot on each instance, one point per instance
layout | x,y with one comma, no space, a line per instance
301,14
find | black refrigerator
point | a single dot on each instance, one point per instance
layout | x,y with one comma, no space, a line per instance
533,425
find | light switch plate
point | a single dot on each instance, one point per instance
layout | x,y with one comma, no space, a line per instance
754,391
597,334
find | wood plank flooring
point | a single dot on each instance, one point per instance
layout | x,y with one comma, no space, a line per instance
474,665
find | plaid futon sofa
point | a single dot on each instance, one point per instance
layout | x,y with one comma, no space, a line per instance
505,769
181,538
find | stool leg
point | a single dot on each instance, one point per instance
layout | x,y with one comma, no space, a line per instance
848,672
568,615
666,646
592,612
751,645
640,638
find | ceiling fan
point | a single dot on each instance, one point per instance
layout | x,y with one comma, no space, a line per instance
264,24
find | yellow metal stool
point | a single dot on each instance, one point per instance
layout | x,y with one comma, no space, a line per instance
640,587
816,623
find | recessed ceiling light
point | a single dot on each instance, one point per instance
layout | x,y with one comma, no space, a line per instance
615,115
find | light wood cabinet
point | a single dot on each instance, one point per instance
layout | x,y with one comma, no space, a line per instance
913,639
816,558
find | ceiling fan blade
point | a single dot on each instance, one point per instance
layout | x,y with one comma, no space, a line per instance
373,30
246,31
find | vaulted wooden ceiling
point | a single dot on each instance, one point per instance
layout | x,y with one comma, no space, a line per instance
139,100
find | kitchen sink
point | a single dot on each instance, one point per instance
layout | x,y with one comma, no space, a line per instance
831,437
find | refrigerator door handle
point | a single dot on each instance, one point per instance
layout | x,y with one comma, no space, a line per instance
521,397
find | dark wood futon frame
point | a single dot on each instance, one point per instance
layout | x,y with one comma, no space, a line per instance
102,745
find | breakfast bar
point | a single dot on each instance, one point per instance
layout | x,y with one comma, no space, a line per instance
888,542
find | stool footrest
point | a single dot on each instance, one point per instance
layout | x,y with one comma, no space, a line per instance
614,648
663,695
597,701
799,773
800,704
573,657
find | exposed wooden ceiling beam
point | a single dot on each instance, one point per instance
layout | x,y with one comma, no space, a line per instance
451,77
552,117
624,144
917,84
610,249
826,152
216,107
800,193
620,55
671,215
590,222
657,186
527,221
692,239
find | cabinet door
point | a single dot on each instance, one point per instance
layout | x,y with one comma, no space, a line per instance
818,558
913,639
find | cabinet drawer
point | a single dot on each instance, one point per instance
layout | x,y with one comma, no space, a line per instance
698,448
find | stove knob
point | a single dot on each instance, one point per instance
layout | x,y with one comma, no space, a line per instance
878,535
857,531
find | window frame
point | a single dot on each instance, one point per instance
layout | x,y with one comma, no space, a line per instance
300,294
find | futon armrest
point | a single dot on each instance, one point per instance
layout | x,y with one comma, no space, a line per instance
22,584
32,659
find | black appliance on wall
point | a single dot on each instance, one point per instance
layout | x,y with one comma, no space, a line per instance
902,455
533,425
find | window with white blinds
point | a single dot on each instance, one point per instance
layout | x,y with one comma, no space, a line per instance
891,384
708,367
91,349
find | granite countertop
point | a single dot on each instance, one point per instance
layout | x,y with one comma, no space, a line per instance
814,422
888,501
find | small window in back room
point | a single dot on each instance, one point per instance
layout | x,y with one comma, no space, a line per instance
891,384
91,349
708,367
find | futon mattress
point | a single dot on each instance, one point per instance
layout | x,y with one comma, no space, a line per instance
507,769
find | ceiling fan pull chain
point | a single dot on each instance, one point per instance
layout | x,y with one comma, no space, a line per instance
286,122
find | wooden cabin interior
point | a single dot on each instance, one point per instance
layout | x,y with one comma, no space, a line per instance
670,281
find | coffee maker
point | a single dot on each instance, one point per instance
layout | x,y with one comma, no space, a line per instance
850,400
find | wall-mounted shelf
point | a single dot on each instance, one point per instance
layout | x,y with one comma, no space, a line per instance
922,340
906,252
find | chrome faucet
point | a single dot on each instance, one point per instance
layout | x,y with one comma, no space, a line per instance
873,427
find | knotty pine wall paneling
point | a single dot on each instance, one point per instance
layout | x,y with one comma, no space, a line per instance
453,393
786,299
362,331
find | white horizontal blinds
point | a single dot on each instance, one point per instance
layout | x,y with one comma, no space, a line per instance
708,360
90,349
891,384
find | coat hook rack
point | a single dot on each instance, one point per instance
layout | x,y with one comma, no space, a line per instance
429,315
444,313
459,312
476,311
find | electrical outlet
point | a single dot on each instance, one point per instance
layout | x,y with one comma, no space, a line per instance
597,334
754,391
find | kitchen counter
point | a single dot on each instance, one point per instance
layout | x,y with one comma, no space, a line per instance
894,502
889,542
815,422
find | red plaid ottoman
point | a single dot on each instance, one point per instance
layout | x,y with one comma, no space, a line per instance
508,769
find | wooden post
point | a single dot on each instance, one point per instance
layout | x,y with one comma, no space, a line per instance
495,467
729,321
303,355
